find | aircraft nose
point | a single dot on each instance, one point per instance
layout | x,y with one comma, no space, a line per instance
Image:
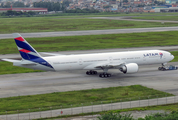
172,57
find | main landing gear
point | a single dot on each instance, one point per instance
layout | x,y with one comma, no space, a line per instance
104,75
91,72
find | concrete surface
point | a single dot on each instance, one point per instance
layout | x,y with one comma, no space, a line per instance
48,82
129,18
90,32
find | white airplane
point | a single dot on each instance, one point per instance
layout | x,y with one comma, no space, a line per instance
126,62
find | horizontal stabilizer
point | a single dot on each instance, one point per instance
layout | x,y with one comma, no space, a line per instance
11,60
24,62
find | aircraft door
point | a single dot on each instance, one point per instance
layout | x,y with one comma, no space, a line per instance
80,62
110,59
164,56
144,60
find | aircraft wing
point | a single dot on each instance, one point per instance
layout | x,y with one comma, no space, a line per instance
103,65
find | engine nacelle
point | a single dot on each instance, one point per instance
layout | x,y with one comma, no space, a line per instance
129,68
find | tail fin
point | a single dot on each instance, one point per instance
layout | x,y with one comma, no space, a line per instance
26,50
29,54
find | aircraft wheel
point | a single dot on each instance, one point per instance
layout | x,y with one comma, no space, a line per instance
105,75
91,72
159,68
109,75
102,75
163,69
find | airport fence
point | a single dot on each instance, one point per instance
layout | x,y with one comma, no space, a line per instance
92,107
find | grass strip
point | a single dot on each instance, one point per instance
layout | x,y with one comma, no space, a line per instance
175,53
101,14
172,18
167,108
48,24
89,42
75,98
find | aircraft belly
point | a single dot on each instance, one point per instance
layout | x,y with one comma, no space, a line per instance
68,67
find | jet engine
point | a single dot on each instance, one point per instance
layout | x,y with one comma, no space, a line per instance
129,68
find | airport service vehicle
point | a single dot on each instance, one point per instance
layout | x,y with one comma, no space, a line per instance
126,62
171,67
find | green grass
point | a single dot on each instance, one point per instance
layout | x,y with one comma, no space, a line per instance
175,53
8,68
89,42
172,18
101,14
47,24
75,98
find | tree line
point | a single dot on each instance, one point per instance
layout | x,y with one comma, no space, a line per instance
15,13
51,6
78,10
15,4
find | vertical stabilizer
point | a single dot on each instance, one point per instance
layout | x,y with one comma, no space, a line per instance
28,53
26,50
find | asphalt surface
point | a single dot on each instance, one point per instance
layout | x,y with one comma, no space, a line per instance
48,82
91,32
129,18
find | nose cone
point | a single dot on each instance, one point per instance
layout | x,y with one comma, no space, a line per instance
172,57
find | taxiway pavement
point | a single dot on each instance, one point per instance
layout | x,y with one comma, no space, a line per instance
91,32
48,82
129,18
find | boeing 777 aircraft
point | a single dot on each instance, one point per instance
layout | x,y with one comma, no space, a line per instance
126,62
